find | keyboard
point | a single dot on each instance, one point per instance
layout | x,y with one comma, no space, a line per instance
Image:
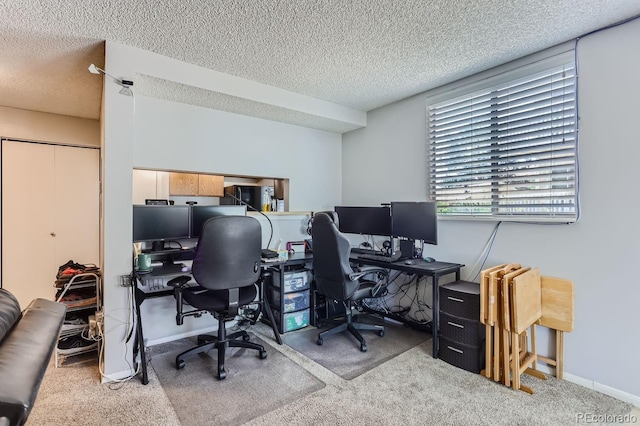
269,254
380,257
359,251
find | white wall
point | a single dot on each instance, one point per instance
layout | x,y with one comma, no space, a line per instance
598,253
43,127
156,134
174,136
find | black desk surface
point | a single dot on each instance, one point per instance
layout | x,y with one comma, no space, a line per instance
419,266
294,259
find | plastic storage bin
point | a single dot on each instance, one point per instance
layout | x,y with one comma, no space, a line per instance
291,301
293,281
291,321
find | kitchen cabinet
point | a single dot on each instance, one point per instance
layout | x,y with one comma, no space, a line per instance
183,183
210,186
193,184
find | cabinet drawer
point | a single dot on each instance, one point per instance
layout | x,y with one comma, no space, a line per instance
463,330
292,320
461,299
467,357
291,301
292,281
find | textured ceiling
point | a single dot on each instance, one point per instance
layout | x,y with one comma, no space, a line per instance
360,54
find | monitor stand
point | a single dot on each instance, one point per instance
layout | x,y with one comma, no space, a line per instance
406,249
157,246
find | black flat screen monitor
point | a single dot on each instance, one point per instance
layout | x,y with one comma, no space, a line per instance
159,223
364,220
415,221
200,214
156,202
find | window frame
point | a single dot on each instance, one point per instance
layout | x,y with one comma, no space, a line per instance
493,78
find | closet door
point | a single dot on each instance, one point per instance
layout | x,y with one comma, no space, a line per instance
77,205
27,220
50,214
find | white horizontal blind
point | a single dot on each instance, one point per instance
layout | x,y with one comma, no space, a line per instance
508,151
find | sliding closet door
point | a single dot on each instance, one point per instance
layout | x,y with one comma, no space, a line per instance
27,220
50,214
77,205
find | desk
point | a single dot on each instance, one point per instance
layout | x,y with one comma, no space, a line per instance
435,270
167,272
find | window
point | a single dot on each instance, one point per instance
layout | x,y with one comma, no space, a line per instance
507,149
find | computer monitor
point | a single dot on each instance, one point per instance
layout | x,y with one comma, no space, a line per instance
364,220
156,202
415,221
158,223
200,214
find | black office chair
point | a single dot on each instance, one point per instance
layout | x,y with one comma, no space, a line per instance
337,280
226,267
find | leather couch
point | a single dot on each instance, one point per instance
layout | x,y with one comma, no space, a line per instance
27,341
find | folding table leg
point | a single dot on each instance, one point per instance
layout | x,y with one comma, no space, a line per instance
559,354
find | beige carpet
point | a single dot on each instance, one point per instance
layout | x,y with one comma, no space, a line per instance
253,386
415,389
73,395
410,389
341,353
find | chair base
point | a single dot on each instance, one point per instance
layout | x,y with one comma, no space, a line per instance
352,327
221,342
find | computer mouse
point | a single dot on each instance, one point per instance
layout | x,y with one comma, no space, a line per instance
408,262
429,259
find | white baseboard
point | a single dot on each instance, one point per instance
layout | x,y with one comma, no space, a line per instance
173,337
590,384
607,390
118,375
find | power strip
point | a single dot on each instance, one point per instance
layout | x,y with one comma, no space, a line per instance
93,327
96,323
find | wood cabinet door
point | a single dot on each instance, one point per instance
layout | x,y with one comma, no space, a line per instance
211,186
183,183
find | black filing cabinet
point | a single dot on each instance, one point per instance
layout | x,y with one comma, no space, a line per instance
461,338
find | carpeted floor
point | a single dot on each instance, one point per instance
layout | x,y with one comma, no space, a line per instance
411,388
253,386
341,353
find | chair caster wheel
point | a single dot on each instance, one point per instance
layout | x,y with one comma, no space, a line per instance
381,333
222,374
246,337
263,354
319,341
363,347
179,364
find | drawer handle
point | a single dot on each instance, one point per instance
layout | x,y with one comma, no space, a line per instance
455,325
455,350
455,299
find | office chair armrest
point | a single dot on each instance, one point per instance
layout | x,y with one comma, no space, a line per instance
179,282
361,272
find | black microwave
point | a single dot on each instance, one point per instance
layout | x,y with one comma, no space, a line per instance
250,195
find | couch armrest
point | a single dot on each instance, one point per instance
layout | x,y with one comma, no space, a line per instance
25,353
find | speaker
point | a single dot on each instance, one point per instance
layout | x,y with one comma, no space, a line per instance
406,249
